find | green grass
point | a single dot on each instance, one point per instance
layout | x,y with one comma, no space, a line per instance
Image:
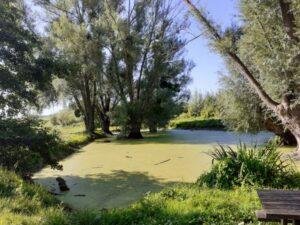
197,123
22,203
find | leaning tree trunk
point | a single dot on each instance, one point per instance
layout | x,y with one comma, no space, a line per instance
288,113
285,134
290,117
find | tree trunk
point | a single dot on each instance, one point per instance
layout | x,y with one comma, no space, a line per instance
296,134
135,131
153,128
278,129
89,121
105,123
290,117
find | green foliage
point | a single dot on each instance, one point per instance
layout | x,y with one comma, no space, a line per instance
64,118
267,50
145,85
197,123
241,108
25,68
26,144
206,106
255,166
195,105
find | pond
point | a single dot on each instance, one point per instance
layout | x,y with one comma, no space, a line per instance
116,174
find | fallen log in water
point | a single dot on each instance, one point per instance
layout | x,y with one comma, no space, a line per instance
62,184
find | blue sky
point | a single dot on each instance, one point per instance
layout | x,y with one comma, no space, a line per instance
207,63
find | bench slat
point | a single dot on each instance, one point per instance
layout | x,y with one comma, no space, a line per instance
279,205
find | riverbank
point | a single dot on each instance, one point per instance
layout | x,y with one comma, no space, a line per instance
28,204
169,202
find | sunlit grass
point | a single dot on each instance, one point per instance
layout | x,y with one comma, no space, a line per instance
27,204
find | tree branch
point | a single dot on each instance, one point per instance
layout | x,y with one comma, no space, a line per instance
244,69
288,19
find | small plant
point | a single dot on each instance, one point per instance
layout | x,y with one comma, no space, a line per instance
261,166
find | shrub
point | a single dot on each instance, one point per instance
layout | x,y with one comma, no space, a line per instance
66,118
260,166
26,145
196,123
54,120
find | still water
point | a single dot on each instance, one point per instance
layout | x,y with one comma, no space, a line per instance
116,174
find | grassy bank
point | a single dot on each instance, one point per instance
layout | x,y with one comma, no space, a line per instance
74,137
22,203
197,123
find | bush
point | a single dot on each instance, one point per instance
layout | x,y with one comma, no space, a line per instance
256,166
196,123
64,118
26,145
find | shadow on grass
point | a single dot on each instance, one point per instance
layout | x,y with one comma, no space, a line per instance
97,190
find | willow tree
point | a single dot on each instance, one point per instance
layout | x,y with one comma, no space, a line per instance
243,111
266,54
135,29
75,40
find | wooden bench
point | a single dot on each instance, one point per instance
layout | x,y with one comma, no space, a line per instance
279,206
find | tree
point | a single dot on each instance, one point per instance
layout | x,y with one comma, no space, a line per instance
73,41
106,103
266,54
136,33
243,111
78,37
211,106
169,98
25,68
26,72
195,104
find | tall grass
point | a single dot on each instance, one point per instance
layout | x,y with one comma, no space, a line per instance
262,166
